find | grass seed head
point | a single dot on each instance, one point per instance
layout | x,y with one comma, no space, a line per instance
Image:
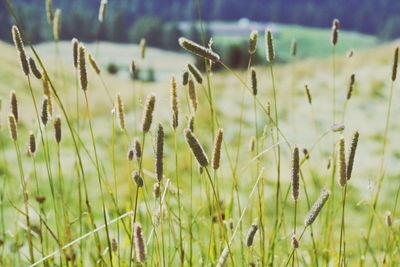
49,11
185,78
196,148
317,207
120,112
20,49
254,81
102,10
308,94
196,73
140,247
388,219
251,234
137,179
198,50
216,156
192,95
142,48
57,24
148,113
293,48
253,42
57,129
174,103
156,190
395,64
12,125
14,105
353,148
94,64
138,149
159,153
270,46
82,67
45,114
351,86
295,173
295,242
32,143
34,69
75,45
342,162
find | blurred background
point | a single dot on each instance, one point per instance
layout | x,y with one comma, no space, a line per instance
161,22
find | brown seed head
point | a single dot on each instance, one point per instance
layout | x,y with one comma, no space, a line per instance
316,208
32,143
270,46
192,95
216,156
253,42
196,73
140,247
120,112
148,113
12,125
196,148
295,173
342,162
82,67
75,45
198,50
34,69
94,64
14,105
20,49
174,103
159,164
57,129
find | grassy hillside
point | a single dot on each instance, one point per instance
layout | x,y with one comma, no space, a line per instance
190,204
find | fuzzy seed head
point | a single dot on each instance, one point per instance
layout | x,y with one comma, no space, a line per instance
295,173
335,31
193,95
131,153
350,53
253,42
12,125
94,64
317,207
198,50
140,247
251,234
159,164
351,86
293,48
114,245
196,148
57,24
185,78
395,64
388,219
308,94
353,148
148,113
20,49
142,48
132,68
138,149
44,115
254,81
270,46
137,179
342,162
32,143
191,123
252,144
82,67
102,10
57,129
120,112
14,105
34,69
295,242
216,156
156,190
174,103
196,73
75,45
337,127
49,11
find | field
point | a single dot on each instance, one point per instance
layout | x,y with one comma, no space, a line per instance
84,203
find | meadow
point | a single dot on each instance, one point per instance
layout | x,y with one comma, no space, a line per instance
278,165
